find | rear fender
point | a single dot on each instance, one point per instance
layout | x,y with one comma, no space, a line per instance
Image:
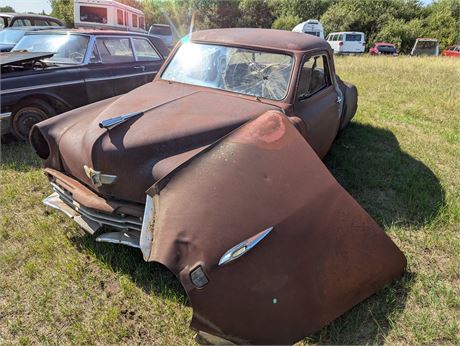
322,253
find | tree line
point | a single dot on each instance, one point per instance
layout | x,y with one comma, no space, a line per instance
396,21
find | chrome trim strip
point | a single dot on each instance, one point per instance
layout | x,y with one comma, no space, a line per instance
5,115
43,86
120,76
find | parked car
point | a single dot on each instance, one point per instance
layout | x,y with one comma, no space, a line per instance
311,27
163,32
347,42
86,66
25,19
214,171
453,51
383,48
425,46
10,36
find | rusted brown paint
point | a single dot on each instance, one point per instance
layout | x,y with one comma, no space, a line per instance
324,255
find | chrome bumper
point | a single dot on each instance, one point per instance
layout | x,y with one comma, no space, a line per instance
90,220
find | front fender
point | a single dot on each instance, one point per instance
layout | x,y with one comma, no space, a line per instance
324,254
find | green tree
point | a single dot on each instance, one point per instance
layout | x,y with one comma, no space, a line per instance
7,9
256,14
63,9
443,22
286,22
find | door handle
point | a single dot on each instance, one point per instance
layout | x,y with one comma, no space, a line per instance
142,68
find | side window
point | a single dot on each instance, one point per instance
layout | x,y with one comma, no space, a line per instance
22,22
114,49
313,77
93,14
334,38
340,37
134,17
145,50
119,17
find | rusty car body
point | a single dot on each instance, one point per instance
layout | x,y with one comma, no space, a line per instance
214,170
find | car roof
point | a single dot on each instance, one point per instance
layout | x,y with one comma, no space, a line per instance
12,14
92,32
261,38
32,28
386,43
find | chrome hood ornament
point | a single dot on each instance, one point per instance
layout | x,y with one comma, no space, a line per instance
97,178
112,122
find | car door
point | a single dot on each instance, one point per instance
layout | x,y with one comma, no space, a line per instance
98,77
117,53
317,102
148,57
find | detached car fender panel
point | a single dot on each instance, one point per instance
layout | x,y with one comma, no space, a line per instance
268,246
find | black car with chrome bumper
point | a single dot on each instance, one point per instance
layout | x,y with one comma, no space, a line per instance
50,72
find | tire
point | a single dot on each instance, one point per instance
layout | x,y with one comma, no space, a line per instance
28,114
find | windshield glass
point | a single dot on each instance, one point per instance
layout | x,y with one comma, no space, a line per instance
240,70
68,49
9,36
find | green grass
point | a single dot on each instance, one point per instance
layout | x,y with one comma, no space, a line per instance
400,160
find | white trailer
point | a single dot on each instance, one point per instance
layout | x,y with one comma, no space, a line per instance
107,14
311,27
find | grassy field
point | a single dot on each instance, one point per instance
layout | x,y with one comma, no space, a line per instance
399,159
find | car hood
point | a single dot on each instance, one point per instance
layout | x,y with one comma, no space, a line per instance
178,121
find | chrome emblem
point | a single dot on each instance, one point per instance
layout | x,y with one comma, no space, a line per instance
97,178
240,249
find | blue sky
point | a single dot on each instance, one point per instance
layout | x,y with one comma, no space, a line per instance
28,5
39,5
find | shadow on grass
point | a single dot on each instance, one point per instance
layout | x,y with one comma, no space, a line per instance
392,186
153,278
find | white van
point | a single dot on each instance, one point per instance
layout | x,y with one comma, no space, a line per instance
311,27
346,42
107,14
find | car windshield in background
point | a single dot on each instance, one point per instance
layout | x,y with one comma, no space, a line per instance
68,49
353,37
244,71
161,30
9,36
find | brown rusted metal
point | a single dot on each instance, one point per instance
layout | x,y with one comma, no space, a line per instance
323,256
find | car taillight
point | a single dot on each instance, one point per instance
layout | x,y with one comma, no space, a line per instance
340,43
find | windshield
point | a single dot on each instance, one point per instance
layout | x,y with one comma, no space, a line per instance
68,49
244,71
10,36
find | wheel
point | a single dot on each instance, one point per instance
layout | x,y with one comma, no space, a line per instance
27,115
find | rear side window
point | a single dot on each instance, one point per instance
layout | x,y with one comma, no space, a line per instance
145,50
353,37
313,77
40,22
115,49
53,23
